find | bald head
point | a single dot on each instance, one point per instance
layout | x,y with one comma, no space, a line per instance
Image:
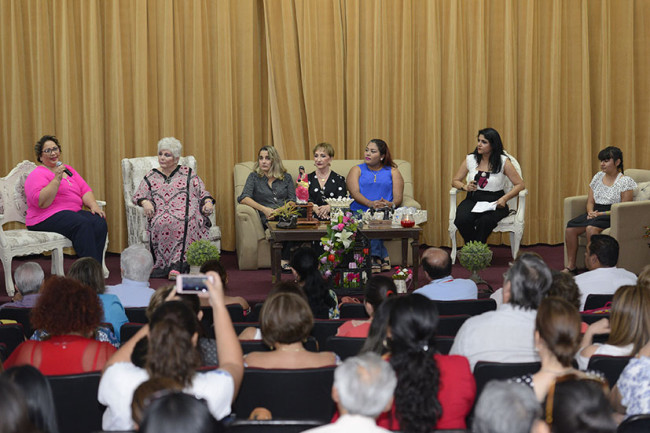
436,263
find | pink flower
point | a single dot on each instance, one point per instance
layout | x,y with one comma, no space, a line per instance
340,226
328,273
346,219
323,259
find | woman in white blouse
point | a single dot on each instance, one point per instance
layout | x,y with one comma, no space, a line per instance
607,187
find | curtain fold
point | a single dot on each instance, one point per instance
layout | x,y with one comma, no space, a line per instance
558,79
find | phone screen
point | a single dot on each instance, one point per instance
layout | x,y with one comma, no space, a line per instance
191,283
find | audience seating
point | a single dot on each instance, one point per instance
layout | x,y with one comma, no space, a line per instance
589,318
288,394
272,426
635,424
473,307
11,334
128,330
136,314
344,347
20,315
485,371
444,343
254,315
324,328
597,301
4,353
610,366
353,311
239,327
249,346
449,325
75,400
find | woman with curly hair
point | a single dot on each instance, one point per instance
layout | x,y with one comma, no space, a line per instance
434,391
69,311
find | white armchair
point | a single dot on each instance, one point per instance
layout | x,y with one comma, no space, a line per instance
513,223
133,171
22,242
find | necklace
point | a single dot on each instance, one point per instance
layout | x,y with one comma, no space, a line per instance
374,172
324,177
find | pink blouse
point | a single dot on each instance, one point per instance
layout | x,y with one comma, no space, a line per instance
68,197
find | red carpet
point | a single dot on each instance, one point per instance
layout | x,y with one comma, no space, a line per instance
254,285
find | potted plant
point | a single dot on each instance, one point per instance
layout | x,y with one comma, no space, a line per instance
475,256
200,252
287,215
401,277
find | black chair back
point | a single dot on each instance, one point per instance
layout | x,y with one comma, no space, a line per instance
11,334
344,347
635,424
254,315
485,371
128,330
248,346
136,314
597,301
75,400
236,312
240,326
444,343
288,394
272,426
449,325
353,311
472,307
4,353
20,315
323,329
610,366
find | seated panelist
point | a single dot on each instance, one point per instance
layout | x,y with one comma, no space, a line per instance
323,182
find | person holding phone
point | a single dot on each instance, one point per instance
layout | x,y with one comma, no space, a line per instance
487,168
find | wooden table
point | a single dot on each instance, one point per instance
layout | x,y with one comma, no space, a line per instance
314,233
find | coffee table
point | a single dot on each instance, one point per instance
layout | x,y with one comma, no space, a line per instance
314,233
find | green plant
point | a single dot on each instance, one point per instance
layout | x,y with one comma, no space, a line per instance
475,256
201,251
286,211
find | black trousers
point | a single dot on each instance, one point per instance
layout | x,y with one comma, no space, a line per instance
478,226
86,230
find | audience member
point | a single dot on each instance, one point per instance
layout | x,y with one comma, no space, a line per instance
173,333
28,279
644,277
363,389
631,395
433,391
564,286
376,341
69,311
507,408
14,410
378,288
146,392
216,266
89,272
628,326
38,395
557,339
577,405
482,338
179,412
286,321
305,268
436,263
136,264
603,277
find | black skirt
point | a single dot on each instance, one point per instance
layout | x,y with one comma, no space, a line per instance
602,221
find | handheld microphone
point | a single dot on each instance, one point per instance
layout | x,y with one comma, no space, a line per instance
66,171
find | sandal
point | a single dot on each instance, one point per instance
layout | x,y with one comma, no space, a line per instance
385,264
376,266
568,270
173,274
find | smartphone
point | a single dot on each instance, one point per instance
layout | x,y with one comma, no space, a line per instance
192,284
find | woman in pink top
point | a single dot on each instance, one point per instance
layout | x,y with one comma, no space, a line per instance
55,196
378,288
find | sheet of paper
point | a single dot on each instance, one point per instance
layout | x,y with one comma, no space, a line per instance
484,206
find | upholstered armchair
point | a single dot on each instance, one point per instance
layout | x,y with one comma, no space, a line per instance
627,224
23,242
253,250
133,171
512,224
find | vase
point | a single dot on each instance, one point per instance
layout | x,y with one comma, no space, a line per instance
401,285
195,270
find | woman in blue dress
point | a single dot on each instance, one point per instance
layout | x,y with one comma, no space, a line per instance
377,183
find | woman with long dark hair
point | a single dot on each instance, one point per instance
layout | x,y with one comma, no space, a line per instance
38,396
322,300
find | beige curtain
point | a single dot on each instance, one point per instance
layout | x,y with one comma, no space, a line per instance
560,79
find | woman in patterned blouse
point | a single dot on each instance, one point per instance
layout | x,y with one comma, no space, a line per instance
323,182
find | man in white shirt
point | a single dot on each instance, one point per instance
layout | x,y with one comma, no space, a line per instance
363,389
603,277
136,264
507,334
442,286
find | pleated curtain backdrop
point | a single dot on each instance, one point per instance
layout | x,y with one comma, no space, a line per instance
559,79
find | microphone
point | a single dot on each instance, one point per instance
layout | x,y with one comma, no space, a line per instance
66,171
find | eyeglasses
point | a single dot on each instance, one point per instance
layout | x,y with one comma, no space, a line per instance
51,149
567,378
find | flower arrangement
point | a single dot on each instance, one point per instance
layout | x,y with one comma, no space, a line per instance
338,241
404,274
201,251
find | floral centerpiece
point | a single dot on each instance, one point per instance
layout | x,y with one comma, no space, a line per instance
338,242
401,277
